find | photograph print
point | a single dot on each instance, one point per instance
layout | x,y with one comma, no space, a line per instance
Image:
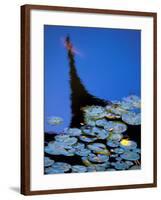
92,99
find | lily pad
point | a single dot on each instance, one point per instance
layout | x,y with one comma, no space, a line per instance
48,162
87,130
116,127
101,122
91,168
95,112
79,168
98,148
115,136
89,121
133,100
65,140
129,155
58,148
128,144
136,150
87,139
61,165
82,152
113,143
73,131
55,121
98,158
51,170
86,162
57,168
112,116
129,163
135,167
118,158
100,133
116,109
132,118
120,165
119,150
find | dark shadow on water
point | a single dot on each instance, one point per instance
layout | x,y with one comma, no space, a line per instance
15,189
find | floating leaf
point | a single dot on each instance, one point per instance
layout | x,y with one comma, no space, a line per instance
101,122
95,112
113,143
110,169
91,168
82,152
65,140
55,120
89,121
87,139
87,130
48,162
129,163
118,158
58,148
116,109
136,150
133,100
135,167
115,136
78,146
100,133
116,127
120,165
55,149
73,131
112,116
129,155
58,167
51,170
132,118
98,148
79,168
128,144
61,165
98,158
86,162
119,150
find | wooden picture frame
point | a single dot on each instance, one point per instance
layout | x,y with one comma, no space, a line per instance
26,85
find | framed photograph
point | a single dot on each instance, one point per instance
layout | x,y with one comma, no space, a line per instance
88,99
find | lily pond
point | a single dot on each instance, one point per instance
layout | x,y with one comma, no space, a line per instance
103,142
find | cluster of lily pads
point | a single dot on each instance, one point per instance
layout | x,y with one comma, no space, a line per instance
100,142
